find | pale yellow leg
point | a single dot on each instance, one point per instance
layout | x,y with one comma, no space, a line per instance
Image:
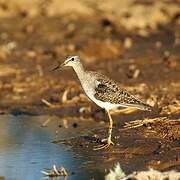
108,140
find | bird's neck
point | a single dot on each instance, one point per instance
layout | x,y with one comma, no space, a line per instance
79,71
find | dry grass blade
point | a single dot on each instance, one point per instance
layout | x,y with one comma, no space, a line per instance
46,122
118,174
139,123
172,108
55,172
47,103
76,99
64,98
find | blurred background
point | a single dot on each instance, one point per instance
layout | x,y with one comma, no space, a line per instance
135,42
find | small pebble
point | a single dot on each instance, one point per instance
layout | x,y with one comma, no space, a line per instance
75,125
128,43
158,44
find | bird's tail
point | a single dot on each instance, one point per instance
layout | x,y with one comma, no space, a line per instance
141,106
144,107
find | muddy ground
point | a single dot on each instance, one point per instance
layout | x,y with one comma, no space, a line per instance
144,59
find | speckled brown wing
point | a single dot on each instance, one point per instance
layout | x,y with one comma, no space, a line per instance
108,90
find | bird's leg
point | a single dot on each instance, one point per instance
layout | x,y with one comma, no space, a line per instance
108,140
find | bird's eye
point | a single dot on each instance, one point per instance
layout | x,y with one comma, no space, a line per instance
72,59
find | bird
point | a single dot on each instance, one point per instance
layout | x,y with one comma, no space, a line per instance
103,91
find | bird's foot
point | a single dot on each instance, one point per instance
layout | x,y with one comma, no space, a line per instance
105,145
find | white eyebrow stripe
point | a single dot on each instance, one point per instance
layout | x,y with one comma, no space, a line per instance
67,60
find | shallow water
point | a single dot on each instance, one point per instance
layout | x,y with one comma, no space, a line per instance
26,150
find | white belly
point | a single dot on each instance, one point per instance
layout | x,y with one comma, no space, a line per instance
89,91
105,105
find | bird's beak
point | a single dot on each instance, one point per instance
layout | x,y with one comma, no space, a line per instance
59,66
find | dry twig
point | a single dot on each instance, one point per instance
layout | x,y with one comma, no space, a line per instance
47,103
139,123
54,172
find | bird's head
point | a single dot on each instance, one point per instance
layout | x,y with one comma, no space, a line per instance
70,61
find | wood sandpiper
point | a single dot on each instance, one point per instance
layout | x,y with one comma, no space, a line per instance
105,92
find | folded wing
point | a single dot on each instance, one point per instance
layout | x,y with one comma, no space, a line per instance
108,90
